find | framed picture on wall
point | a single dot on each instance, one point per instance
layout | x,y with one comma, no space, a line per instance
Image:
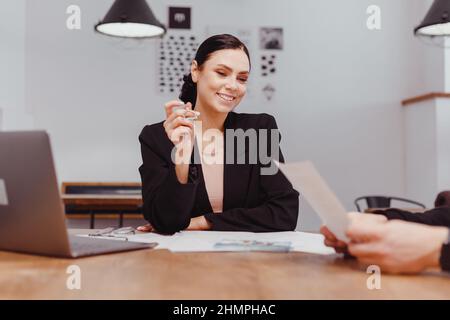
179,18
271,38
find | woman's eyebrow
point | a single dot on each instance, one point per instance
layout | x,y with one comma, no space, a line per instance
230,69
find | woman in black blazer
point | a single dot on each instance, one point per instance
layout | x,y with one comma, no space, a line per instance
174,187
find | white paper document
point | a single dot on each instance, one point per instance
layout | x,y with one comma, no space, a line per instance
306,179
206,241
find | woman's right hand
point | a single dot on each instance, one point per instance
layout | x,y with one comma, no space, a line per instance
176,126
181,132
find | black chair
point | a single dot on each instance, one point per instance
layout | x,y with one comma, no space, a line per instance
383,202
101,189
442,199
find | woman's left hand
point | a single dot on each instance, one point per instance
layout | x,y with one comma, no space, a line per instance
196,224
199,223
146,228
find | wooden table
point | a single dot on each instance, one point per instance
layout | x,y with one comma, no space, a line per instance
160,274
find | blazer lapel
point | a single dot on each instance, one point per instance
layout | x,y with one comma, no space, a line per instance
202,199
234,191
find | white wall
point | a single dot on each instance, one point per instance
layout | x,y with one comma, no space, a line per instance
422,151
434,60
427,130
338,100
443,143
13,113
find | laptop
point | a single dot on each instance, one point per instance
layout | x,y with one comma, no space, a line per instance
306,179
32,218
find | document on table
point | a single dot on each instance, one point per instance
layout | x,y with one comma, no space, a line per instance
212,241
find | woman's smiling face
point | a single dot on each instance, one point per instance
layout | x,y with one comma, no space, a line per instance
222,79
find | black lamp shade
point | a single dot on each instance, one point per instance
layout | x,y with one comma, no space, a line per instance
131,19
437,21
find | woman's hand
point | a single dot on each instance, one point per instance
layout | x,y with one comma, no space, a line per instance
199,223
196,224
179,130
145,228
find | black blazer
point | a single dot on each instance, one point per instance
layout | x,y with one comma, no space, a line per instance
252,202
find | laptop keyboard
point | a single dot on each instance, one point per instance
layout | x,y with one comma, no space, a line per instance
84,246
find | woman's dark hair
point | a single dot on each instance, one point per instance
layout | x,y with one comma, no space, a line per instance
209,46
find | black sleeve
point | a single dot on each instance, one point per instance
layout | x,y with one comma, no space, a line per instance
435,217
279,212
160,185
445,257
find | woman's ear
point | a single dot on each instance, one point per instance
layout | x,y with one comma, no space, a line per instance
194,71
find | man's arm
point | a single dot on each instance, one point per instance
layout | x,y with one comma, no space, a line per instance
435,217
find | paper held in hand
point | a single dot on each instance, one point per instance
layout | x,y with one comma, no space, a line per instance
307,180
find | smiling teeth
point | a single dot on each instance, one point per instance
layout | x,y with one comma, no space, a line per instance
228,98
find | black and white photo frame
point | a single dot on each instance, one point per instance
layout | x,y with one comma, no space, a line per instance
174,58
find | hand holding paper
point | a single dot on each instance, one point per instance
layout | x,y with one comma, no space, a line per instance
356,221
307,180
